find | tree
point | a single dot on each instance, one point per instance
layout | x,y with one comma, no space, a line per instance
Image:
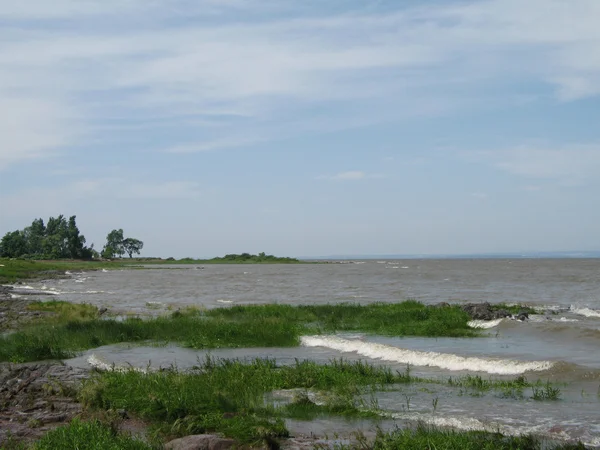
114,244
132,246
13,245
117,245
58,239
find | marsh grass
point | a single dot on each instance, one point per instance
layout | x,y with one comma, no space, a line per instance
546,392
62,311
90,435
240,326
228,396
425,437
23,269
514,308
408,318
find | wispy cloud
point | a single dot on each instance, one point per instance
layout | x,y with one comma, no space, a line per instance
68,65
352,175
567,164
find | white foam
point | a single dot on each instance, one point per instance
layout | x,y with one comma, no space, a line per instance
447,361
98,364
224,301
564,319
459,423
104,270
14,296
94,292
484,323
68,273
405,267
587,312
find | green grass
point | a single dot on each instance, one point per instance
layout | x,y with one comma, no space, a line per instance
408,318
62,311
12,270
514,309
91,435
247,326
229,396
429,438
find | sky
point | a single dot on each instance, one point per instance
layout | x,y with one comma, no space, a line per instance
305,128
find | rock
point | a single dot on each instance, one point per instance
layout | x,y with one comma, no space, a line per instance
479,311
501,314
201,442
442,305
522,316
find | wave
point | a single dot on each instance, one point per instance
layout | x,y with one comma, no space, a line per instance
446,361
104,366
224,301
458,423
484,323
473,424
587,312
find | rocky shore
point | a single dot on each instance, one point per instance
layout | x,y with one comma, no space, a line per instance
35,398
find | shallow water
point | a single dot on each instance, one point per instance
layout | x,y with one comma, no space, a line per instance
560,344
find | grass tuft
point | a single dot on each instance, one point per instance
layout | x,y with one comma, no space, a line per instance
75,329
91,435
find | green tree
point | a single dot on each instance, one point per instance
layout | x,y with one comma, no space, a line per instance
35,234
118,245
13,245
132,246
114,244
57,239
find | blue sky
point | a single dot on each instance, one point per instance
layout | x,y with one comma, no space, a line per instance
305,128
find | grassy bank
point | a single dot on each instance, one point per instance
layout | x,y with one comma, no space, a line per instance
242,326
12,270
424,437
229,396
240,400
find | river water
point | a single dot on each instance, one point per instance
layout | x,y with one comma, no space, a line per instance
561,344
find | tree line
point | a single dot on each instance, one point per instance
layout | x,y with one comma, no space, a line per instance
59,238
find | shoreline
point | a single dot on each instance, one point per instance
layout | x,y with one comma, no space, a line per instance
29,421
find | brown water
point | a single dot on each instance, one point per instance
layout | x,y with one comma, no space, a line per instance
562,346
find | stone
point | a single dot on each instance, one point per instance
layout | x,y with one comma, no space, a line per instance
479,311
501,314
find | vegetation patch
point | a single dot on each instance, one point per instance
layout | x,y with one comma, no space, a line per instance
90,435
424,437
229,396
12,270
241,258
514,309
237,327
62,311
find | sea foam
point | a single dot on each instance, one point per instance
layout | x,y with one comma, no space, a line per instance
587,312
484,323
447,361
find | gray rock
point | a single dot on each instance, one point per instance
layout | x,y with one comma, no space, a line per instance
501,314
479,311
201,442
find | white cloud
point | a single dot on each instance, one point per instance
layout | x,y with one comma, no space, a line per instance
271,65
567,164
352,175
479,195
207,146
